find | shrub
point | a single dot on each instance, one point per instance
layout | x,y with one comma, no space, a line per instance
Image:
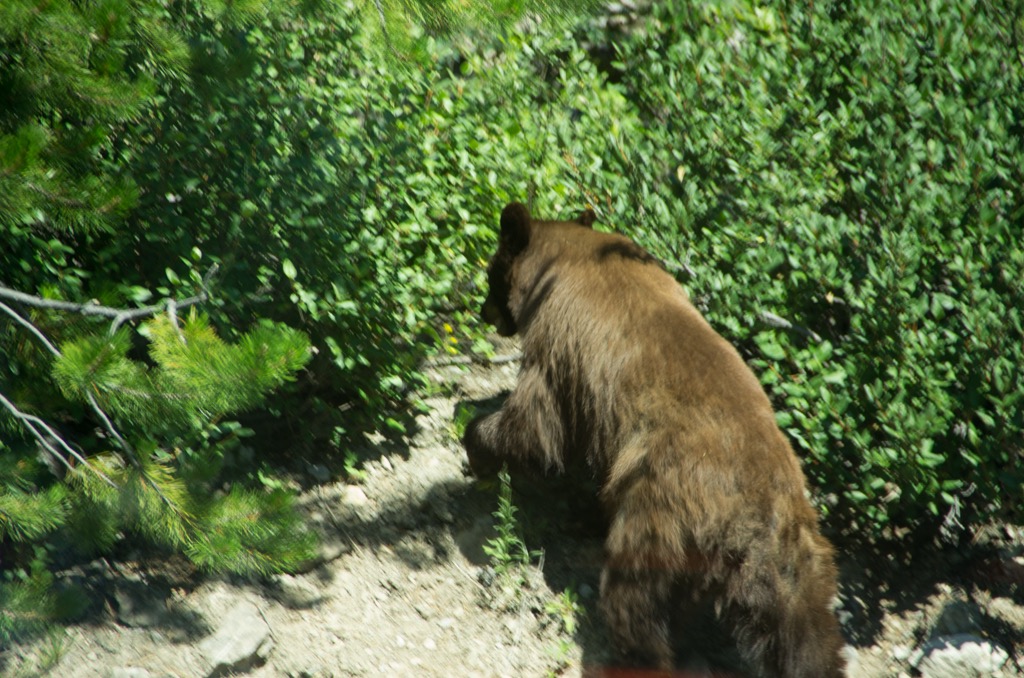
855,170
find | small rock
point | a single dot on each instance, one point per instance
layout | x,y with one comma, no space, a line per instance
136,604
241,641
296,592
327,552
486,576
386,463
355,496
959,656
130,672
429,644
957,617
332,550
446,623
319,472
472,539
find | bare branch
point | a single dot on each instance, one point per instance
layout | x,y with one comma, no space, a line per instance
119,315
129,452
782,323
31,328
172,316
90,397
472,360
681,267
31,422
107,424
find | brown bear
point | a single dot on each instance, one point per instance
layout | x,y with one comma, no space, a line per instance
702,491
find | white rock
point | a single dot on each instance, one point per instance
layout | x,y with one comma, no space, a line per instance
130,672
960,656
242,640
355,496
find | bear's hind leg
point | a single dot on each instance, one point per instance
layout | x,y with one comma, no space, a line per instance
635,603
783,619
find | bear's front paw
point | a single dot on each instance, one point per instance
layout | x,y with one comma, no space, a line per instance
482,460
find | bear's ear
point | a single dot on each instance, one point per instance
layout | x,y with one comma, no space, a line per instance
515,227
586,218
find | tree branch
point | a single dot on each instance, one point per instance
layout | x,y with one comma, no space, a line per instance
119,315
92,399
30,327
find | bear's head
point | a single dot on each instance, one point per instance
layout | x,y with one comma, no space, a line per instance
517,231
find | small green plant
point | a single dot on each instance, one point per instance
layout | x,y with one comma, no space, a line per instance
352,465
566,609
460,420
53,649
42,657
507,550
561,652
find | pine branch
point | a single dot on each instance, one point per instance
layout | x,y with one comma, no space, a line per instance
119,316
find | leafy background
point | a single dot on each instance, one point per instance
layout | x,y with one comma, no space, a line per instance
838,187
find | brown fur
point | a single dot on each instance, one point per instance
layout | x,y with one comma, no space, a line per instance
701,487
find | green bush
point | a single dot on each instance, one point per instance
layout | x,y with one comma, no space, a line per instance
348,196
855,170
840,169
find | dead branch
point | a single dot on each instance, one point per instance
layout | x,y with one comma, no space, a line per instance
30,327
119,315
34,423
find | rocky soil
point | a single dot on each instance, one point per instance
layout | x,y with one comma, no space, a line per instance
403,587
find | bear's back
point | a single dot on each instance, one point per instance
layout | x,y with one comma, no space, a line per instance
613,318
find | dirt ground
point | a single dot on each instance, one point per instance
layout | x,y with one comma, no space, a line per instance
403,586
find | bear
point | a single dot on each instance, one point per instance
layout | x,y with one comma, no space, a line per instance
703,494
